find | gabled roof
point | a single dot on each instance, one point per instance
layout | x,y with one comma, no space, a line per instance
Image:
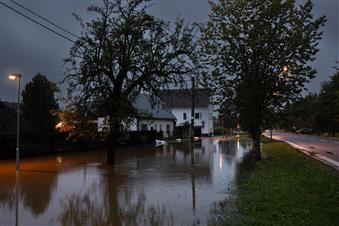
146,109
182,98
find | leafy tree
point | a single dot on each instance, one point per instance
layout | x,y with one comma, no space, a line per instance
300,114
260,51
7,119
122,52
38,102
77,123
327,114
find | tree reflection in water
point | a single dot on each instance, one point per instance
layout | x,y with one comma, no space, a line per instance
223,212
90,210
175,184
36,190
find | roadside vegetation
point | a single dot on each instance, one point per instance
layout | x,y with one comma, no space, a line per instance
287,188
320,112
251,81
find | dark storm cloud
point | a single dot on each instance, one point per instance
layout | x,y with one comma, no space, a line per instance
329,47
28,48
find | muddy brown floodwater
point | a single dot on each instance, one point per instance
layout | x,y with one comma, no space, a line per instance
167,185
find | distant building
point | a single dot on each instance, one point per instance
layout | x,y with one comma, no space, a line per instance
152,116
179,102
171,110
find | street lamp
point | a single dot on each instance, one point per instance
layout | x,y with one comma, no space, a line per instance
16,76
285,69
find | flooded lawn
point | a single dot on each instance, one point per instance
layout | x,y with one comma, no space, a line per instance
148,186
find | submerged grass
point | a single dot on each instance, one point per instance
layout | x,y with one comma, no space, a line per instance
287,189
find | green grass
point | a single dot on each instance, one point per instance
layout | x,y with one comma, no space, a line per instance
289,189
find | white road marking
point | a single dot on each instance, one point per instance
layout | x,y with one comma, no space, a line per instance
337,142
295,145
307,152
323,140
329,160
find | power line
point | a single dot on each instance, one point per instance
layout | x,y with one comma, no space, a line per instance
44,26
44,18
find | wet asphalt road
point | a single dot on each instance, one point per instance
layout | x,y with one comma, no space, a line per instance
321,148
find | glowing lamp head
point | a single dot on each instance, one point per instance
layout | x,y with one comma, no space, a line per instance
285,69
14,76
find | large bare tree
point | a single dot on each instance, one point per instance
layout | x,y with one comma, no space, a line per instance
125,51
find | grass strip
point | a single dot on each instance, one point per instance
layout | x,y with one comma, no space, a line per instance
287,189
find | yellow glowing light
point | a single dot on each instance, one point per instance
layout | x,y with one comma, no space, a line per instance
59,125
285,69
59,160
12,77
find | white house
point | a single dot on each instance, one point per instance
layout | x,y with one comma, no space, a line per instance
152,117
179,102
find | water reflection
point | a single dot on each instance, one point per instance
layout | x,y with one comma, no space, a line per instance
174,184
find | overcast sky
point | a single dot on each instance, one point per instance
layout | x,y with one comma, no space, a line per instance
27,48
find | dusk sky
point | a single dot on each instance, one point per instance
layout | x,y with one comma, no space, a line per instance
27,48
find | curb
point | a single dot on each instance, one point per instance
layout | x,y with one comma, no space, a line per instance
323,159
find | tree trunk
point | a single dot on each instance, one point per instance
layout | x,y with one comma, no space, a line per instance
256,145
111,147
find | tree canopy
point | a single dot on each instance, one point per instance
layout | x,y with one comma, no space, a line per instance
38,102
125,51
259,53
317,111
300,114
327,113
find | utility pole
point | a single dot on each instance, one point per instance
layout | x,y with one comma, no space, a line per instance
192,127
16,76
192,110
222,126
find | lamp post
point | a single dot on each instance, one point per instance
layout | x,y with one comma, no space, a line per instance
16,76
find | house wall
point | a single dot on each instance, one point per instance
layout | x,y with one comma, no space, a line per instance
157,124
206,116
133,125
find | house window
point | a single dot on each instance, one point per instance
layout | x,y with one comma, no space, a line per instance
168,129
184,116
198,115
144,127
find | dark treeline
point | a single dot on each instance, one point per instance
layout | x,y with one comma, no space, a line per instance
317,111
39,134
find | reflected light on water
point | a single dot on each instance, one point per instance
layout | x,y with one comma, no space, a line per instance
148,186
221,161
59,160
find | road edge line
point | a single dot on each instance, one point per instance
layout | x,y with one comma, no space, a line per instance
320,158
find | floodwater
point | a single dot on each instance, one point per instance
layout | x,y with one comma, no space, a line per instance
168,185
